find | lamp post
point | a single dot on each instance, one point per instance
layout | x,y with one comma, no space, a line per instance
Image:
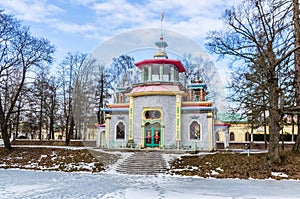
250,118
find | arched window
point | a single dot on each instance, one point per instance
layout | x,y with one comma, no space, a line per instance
231,136
247,136
120,131
152,114
195,131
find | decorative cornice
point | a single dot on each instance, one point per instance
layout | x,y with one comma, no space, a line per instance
120,105
197,104
149,93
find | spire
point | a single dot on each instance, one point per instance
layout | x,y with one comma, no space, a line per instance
162,18
161,44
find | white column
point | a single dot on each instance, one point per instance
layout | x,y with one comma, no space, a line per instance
226,140
107,129
143,75
150,73
161,72
172,73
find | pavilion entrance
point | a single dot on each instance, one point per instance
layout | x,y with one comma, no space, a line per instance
152,135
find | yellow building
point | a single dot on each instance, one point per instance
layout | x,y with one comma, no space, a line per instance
231,129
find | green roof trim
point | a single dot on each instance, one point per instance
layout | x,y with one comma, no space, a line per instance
231,117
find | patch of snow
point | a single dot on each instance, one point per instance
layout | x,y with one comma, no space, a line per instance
213,172
47,185
251,151
220,169
43,156
187,168
279,174
170,157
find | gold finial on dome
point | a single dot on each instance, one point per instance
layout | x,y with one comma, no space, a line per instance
161,44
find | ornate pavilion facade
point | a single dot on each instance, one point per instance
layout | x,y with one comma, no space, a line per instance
159,112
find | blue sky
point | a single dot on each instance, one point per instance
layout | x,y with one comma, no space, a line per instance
81,25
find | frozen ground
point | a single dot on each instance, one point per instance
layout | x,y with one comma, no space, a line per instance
42,184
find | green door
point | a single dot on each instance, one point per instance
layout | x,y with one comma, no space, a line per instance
152,135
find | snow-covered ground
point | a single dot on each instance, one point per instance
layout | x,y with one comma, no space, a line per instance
44,184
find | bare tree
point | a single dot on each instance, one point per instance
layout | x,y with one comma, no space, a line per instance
19,52
296,23
121,70
85,105
94,87
204,70
258,34
67,78
51,105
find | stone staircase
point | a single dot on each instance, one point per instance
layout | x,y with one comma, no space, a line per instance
143,163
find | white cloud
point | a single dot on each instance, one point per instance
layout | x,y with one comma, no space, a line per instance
82,2
31,10
95,20
113,15
75,28
193,18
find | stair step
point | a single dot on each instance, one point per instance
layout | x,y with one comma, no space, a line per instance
149,163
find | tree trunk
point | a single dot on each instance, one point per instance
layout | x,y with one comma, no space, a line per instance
67,132
273,149
41,118
71,129
5,137
297,67
52,117
18,120
4,129
51,128
100,116
274,110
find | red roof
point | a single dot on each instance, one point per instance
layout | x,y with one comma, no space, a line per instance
177,63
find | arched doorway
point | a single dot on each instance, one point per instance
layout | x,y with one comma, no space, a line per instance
152,134
102,138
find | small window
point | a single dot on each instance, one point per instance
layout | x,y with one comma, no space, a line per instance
217,136
120,131
152,114
195,133
231,136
